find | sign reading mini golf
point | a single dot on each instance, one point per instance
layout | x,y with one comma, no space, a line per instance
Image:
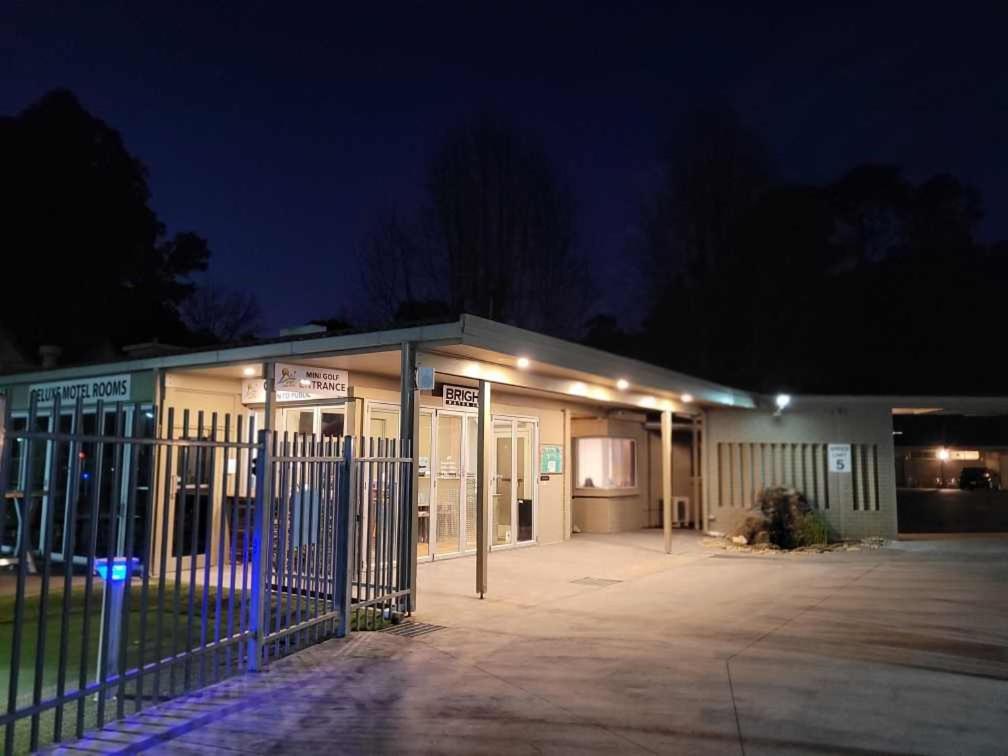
460,396
839,458
299,383
108,388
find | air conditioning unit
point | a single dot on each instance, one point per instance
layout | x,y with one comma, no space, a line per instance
680,510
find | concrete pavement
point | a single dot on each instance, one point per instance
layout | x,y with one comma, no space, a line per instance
899,650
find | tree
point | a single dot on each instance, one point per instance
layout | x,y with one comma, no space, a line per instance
219,315
713,171
88,264
495,237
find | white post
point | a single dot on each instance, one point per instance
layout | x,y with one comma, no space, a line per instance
484,460
666,476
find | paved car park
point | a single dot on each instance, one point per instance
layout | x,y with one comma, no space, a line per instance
606,644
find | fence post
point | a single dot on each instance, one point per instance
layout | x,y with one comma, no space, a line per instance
345,507
260,559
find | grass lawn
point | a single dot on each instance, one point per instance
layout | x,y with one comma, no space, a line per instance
166,629
176,635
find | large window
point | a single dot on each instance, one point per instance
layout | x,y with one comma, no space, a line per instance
605,463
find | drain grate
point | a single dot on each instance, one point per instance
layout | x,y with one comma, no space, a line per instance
412,629
595,582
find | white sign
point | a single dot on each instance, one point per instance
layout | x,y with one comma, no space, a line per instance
109,388
461,396
839,458
298,383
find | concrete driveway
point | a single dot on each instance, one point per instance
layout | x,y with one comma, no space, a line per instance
903,650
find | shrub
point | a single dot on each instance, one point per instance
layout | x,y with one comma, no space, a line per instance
810,529
782,507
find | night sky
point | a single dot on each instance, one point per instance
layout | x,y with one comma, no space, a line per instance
279,131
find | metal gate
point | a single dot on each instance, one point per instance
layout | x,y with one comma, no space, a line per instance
145,567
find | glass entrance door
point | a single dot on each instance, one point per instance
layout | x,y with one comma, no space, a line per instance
322,422
514,485
448,483
503,480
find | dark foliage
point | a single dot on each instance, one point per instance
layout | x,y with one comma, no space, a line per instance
88,265
871,284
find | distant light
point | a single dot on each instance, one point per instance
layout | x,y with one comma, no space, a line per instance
122,567
523,362
622,384
943,454
782,400
687,398
149,414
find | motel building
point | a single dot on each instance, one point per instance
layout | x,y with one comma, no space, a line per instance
574,440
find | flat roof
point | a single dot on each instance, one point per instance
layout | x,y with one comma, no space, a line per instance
469,337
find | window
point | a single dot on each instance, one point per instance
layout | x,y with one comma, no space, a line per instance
606,463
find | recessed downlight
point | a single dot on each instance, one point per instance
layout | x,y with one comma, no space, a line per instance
622,384
523,362
687,398
249,371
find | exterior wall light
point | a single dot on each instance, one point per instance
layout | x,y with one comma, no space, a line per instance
687,398
943,454
782,401
248,372
648,401
523,362
622,384
578,388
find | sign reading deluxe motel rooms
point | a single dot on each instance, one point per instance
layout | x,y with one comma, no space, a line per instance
108,388
298,383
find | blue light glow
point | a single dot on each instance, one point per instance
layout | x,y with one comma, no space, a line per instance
122,567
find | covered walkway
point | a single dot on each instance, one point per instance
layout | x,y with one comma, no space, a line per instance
704,651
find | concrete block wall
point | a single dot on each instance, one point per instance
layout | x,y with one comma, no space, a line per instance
796,441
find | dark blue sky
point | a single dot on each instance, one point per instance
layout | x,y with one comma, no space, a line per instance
278,130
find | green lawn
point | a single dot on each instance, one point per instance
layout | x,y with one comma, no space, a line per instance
175,636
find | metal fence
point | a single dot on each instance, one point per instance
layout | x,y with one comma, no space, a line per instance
145,566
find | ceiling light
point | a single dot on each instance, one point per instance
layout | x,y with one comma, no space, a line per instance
248,371
622,384
687,398
523,362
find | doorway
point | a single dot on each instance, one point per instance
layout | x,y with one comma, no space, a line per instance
514,484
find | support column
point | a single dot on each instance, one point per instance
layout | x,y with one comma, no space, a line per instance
484,469
409,421
666,476
270,406
696,479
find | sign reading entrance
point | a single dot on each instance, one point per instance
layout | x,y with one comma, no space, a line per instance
460,396
108,388
299,383
550,459
839,456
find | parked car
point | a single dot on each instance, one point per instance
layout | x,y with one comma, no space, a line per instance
978,477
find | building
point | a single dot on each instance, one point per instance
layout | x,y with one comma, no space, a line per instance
579,440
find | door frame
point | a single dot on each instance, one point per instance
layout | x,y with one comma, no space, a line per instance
534,466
